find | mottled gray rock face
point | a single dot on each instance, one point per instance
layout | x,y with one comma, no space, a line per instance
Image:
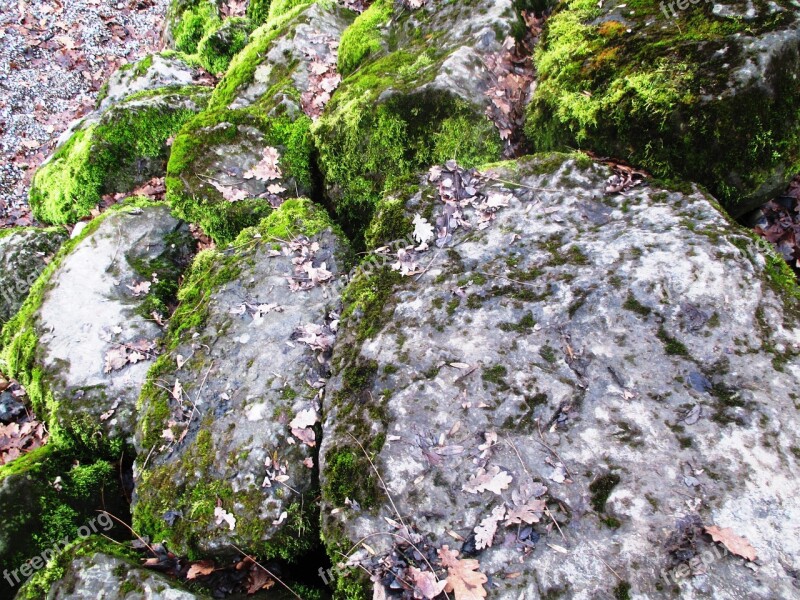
231,450
23,256
628,353
103,577
151,73
95,336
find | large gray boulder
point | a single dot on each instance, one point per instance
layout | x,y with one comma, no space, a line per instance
228,434
83,341
567,386
24,253
696,91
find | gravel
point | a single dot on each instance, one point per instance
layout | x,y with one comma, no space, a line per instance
54,57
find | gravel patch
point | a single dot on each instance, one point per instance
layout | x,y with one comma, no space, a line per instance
54,58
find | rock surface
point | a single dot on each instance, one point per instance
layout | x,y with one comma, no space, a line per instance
705,93
251,149
612,364
83,341
91,574
231,448
24,253
415,93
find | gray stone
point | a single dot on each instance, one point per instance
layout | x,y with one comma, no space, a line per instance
243,376
572,353
24,253
96,312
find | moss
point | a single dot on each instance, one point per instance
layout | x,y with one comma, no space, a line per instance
633,305
657,95
258,10
36,515
370,144
525,324
220,44
601,489
548,353
672,346
280,8
622,591
194,24
198,201
496,375
125,148
362,38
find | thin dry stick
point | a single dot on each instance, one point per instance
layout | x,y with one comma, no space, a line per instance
609,567
543,443
552,518
128,527
267,571
514,448
385,489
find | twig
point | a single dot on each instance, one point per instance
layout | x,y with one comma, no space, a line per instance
383,483
543,443
609,567
268,572
128,527
552,518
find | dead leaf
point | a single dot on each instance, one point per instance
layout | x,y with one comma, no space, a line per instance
463,577
494,480
200,569
484,532
735,543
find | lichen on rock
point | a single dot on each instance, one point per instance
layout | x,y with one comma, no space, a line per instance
228,413
705,94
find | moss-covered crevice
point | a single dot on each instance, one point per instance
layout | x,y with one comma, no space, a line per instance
220,44
127,146
658,94
45,497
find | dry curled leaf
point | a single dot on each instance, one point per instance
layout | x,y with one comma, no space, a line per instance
494,480
484,532
735,543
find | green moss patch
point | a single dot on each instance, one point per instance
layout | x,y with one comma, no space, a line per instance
125,148
655,91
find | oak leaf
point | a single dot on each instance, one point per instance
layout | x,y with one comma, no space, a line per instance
735,543
463,577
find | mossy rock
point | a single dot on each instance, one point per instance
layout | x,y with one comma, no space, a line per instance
167,69
189,21
96,300
46,497
111,151
707,95
220,44
256,107
24,253
93,568
247,380
414,96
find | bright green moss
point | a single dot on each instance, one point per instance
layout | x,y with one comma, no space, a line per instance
362,38
279,8
194,24
655,92
258,10
220,44
298,216
125,148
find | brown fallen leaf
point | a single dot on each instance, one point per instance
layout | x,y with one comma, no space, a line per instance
200,569
735,543
463,577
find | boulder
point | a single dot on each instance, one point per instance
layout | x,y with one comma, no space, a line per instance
111,150
24,253
417,87
82,342
564,395
46,498
227,435
94,569
251,149
704,92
